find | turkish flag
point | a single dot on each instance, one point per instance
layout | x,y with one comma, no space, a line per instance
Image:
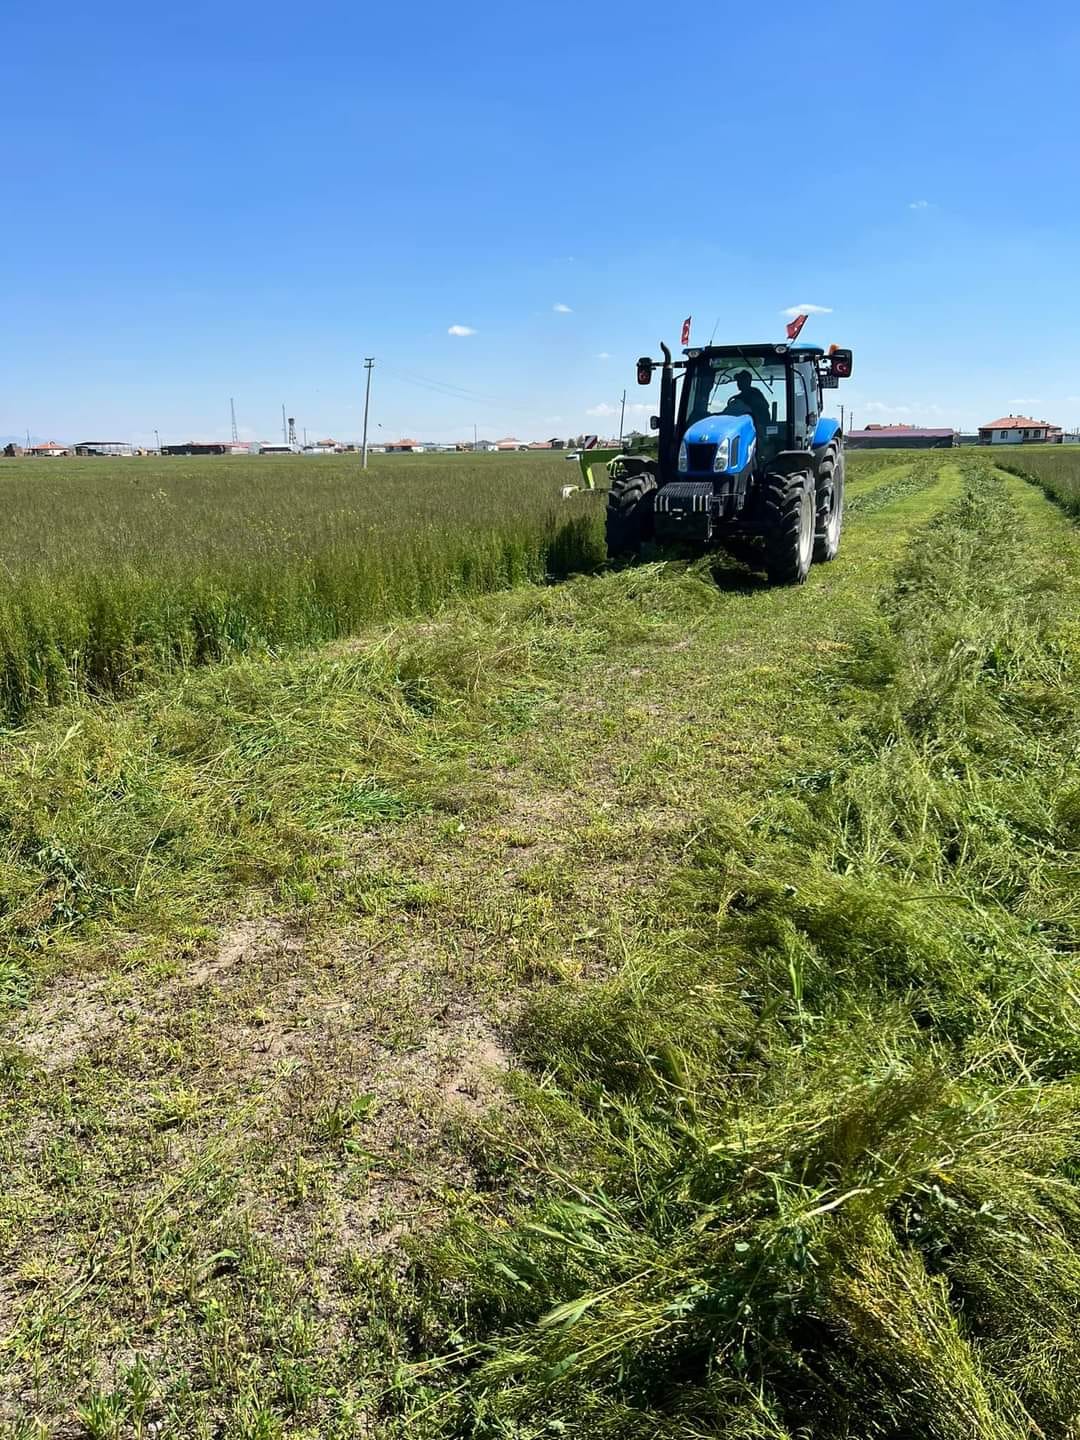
795,326
686,330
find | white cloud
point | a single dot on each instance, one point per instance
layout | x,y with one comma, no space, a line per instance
1028,400
604,355
806,309
460,330
878,407
561,309
637,408
920,205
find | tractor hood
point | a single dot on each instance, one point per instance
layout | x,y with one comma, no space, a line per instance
730,435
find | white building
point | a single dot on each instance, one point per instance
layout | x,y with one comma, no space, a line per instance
1019,430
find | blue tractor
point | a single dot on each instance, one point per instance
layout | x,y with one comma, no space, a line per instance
743,451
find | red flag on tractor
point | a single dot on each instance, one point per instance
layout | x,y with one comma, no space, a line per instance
795,326
686,330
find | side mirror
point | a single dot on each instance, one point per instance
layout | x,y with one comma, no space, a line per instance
644,371
654,422
840,362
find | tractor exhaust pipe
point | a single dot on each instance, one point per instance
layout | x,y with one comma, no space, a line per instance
667,446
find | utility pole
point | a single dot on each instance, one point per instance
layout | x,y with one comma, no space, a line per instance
284,427
305,437
232,411
842,417
157,441
475,440
368,366
622,417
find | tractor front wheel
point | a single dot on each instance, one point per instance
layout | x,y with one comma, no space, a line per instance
830,504
789,534
629,514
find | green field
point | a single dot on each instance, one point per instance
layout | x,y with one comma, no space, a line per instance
641,1006
115,571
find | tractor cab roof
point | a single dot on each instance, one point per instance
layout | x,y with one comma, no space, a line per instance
769,347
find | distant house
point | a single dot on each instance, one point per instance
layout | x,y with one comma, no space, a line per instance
276,447
900,437
540,445
483,447
104,447
1019,430
509,443
404,447
49,451
555,443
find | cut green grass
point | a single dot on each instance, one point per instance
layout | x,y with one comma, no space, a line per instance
757,900
816,1138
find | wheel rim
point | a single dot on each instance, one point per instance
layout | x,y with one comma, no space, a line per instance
806,531
836,510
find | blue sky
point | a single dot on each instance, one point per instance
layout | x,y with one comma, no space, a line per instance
245,200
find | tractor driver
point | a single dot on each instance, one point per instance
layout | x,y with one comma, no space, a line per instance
749,401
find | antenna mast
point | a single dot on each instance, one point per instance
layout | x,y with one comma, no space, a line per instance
235,432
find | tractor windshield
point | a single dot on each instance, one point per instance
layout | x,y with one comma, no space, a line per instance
742,385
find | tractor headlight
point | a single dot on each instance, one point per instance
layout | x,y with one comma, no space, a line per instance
723,455
684,464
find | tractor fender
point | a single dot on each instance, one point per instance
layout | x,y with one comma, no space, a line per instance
824,431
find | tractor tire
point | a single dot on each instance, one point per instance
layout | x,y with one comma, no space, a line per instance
830,505
629,514
789,534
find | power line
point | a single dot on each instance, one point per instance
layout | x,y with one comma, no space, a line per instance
454,392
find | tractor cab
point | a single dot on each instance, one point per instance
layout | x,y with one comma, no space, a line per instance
776,387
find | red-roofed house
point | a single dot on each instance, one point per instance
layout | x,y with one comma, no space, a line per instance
1019,430
404,447
49,451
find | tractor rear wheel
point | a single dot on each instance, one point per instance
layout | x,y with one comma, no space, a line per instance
629,514
789,534
830,504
